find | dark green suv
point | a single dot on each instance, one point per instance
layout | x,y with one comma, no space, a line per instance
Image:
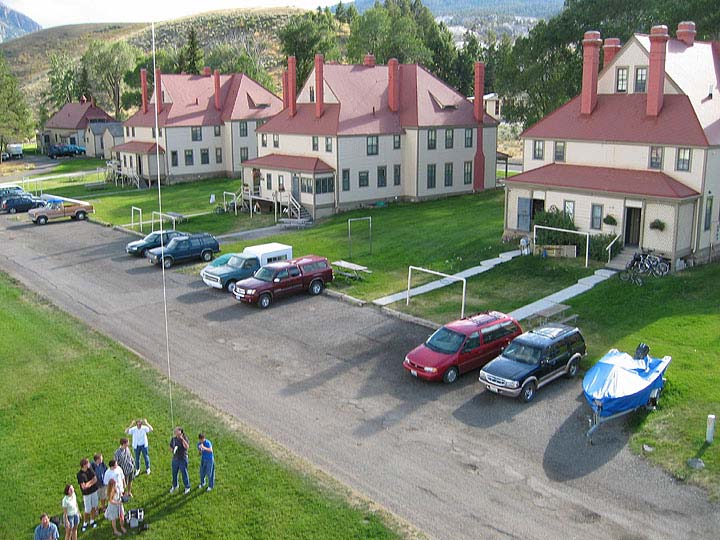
534,359
152,240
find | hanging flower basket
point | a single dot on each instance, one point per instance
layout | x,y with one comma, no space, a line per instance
657,225
610,220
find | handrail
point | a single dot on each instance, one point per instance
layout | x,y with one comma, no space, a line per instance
609,248
295,205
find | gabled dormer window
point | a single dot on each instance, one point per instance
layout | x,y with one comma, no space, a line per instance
621,79
683,159
560,151
656,157
538,149
640,80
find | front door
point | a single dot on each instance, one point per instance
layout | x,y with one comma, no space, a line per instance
139,165
632,226
524,210
296,187
538,205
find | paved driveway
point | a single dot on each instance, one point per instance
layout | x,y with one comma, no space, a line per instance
325,380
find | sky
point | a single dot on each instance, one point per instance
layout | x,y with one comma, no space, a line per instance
49,13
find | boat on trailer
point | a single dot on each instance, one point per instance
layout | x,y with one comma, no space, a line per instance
619,384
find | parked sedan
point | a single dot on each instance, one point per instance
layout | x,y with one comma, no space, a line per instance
151,241
21,203
461,346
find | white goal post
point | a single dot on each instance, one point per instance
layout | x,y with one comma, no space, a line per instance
159,216
585,234
447,276
133,210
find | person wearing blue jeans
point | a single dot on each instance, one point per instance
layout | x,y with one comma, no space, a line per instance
179,445
207,462
139,430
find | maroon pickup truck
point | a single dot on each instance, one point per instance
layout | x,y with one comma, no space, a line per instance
309,273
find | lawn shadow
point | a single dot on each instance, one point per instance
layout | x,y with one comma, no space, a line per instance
569,454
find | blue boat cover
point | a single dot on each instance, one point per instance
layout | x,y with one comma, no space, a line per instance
620,383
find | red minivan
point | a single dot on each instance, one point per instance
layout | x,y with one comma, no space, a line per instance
461,346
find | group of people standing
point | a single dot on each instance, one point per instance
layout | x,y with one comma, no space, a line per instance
106,488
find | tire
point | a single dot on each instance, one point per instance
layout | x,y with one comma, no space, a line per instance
206,255
81,215
528,392
12,210
316,287
42,220
230,286
573,369
143,253
451,375
624,275
661,269
264,301
167,262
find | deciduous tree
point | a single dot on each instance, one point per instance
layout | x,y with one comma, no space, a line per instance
306,35
15,121
107,64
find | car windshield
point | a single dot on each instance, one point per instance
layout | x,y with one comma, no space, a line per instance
236,262
153,237
520,352
445,341
264,274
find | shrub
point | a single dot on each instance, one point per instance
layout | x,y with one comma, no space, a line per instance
556,218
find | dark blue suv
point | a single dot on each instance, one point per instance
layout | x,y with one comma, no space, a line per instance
181,248
533,359
21,203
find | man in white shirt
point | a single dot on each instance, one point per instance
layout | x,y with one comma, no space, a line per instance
139,430
115,472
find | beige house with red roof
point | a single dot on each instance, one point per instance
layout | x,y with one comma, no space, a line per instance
206,126
359,134
641,144
70,124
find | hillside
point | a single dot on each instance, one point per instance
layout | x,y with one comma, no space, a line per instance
14,24
27,56
540,9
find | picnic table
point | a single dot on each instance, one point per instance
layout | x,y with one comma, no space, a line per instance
350,270
177,216
554,312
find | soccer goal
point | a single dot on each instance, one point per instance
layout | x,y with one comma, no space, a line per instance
586,235
435,285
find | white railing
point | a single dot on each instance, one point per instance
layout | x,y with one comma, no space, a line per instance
586,235
295,205
610,245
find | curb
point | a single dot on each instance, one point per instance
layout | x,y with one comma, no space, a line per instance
346,298
127,231
410,318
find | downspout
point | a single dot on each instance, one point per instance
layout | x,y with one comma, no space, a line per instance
337,177
232,149
417,165
642,223
675,236
505,211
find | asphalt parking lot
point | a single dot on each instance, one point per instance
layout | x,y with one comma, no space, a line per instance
324,379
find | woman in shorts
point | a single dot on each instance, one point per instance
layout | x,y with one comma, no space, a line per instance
115,507
71,513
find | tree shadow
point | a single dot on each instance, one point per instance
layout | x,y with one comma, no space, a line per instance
197,297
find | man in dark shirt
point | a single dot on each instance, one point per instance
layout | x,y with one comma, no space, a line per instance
88,485
179,446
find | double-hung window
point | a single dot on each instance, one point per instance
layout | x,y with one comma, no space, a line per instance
449,138
538,149
468,137
372,144
431,176
448,174
431,139
621,79
196,133
683,159
656,157
596,211
640,80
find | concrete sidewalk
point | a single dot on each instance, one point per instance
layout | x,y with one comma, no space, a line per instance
583,285
484,266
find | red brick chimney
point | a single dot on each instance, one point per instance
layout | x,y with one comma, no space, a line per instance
217,89
285,89
292,81
479,113
207,71
591,61
611,47
158,92
686,32
369,60
143,87
393,85
319,85
656,72
479,88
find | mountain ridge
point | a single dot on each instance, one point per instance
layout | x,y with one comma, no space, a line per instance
14,24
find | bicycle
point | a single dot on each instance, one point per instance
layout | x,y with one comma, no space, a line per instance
632,275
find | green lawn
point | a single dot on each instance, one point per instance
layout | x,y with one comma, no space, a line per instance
186,198
506,287
679,316
67,392
446,235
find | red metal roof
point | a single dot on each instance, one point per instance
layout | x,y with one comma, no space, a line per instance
605,179
137,147
77,116
362,109
190,101
623,118
290,163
